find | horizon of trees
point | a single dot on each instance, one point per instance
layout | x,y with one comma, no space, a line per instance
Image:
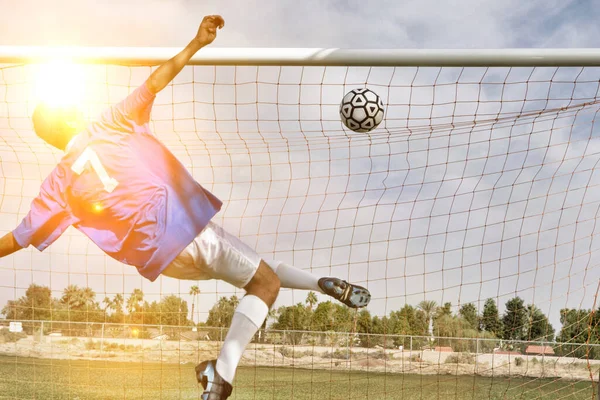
79,305
519,322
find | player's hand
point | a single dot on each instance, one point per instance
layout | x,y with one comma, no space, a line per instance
208,29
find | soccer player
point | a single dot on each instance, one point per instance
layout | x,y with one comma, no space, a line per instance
120,186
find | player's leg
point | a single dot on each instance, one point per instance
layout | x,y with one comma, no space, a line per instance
190,264
216,376
295,278
261,293
198,261
215,254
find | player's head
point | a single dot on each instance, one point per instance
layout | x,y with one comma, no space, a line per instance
57,125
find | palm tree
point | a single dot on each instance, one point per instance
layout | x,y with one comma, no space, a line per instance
311,299
108,303
134,308
73,297
117,303
428,307
87,297
194,292
79,302
133,302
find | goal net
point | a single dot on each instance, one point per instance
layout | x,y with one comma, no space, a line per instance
470,213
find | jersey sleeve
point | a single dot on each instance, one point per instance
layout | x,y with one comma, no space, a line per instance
49,215
137,106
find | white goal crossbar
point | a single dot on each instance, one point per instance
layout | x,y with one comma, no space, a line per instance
309,56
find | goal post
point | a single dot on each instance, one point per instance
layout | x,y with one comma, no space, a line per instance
470,213
136,56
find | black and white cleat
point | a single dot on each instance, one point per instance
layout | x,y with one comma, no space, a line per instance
215,387
353,296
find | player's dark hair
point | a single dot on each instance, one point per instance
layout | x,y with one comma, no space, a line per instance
50,124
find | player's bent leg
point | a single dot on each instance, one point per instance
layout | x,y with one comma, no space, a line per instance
353,296
294,278
265,284
261,292
216,254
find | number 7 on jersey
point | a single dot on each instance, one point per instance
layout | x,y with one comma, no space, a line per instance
90,155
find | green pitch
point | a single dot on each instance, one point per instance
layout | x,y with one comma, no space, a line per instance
28,378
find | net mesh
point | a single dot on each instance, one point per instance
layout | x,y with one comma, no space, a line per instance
478,190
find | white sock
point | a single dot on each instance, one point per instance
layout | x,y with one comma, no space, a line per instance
247,319
294,278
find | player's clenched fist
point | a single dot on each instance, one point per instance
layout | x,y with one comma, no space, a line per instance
208,29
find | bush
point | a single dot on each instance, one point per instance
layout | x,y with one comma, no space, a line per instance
69,342
339,354
97,345
416,358
462,358
380,355
369,341
519,361
286,351
121,347
7,336
92,345
289,352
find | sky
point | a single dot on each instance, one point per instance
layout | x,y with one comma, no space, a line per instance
347,228
312,23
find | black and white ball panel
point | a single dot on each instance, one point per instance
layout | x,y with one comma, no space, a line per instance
361,110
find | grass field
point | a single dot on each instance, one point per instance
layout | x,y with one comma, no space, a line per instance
29,378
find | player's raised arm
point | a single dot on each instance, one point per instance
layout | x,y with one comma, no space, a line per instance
8,245
169,70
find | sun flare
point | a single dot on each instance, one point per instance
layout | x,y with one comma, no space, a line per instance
59,83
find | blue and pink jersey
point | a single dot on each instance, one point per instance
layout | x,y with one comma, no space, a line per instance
121,187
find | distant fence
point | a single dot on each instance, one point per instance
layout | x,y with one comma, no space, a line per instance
339,340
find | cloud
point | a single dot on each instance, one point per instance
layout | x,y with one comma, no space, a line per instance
310,23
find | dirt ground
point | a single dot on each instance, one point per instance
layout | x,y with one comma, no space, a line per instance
313,357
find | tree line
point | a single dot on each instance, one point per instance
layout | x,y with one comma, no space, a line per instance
519,322
79,304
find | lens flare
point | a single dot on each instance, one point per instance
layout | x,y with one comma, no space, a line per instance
98,208
60,83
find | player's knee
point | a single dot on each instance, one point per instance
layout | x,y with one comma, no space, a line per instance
270,281
265,284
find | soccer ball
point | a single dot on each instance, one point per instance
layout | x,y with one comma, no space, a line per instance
361,110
